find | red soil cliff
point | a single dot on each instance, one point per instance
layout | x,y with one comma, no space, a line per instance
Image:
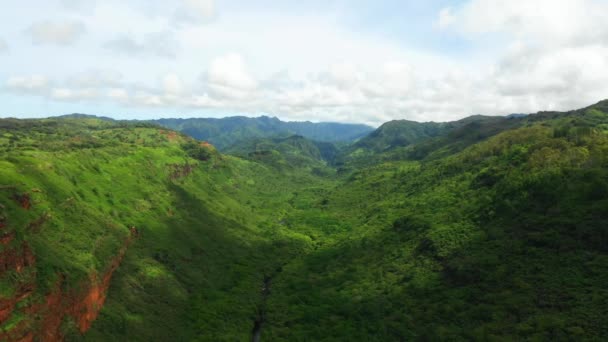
43,319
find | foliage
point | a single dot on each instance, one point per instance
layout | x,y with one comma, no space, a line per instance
483,229
226,132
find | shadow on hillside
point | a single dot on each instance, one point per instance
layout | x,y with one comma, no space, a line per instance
390,287
195,274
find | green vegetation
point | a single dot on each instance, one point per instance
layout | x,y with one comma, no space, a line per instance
226,132
293,153
482,229
408,140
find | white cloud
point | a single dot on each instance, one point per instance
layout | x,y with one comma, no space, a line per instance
500,57
194,11
142,98
542,21
57,33
228,76
95,78
446,18
525,80
159,44
74,95
203,8
556,54
34,84
566,77
172,84
120,95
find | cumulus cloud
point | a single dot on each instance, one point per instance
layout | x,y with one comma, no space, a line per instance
555,58
146,99
56,33
95,78
525,80
229,77
119,95
565,77
172,84
158,44
516,56
35,84
194,11
85,86
542,21
73,95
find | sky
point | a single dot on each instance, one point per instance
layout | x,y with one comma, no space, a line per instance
333,60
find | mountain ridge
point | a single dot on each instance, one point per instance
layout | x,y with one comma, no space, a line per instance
224,132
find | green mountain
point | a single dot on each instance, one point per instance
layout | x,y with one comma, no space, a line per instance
293,152
404,139
227,131
481,229
400,133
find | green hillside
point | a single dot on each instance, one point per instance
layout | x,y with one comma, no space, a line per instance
288,153
487,228
409,140
502,241
226,132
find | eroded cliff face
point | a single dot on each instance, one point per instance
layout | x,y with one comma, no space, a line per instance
23,318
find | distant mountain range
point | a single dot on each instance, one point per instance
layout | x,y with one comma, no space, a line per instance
230,132
226,132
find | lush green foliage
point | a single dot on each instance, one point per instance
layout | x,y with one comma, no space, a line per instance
484,229
290,153
409,140
226,132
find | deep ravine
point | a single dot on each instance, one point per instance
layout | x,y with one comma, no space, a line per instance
258,323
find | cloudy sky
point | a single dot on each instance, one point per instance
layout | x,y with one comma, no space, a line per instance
321,60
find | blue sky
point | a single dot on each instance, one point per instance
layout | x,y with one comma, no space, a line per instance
347,61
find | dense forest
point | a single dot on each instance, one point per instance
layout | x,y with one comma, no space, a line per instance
486,228
226,132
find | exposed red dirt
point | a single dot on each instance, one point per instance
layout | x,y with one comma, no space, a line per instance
81,303
15,258
6,238
171,135
24,200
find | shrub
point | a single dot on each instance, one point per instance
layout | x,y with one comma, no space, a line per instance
410,223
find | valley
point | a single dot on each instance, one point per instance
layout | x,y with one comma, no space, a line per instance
486,228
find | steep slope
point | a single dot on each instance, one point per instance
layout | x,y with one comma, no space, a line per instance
505,240
404,139
400,133
289,152
75,194
228,131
